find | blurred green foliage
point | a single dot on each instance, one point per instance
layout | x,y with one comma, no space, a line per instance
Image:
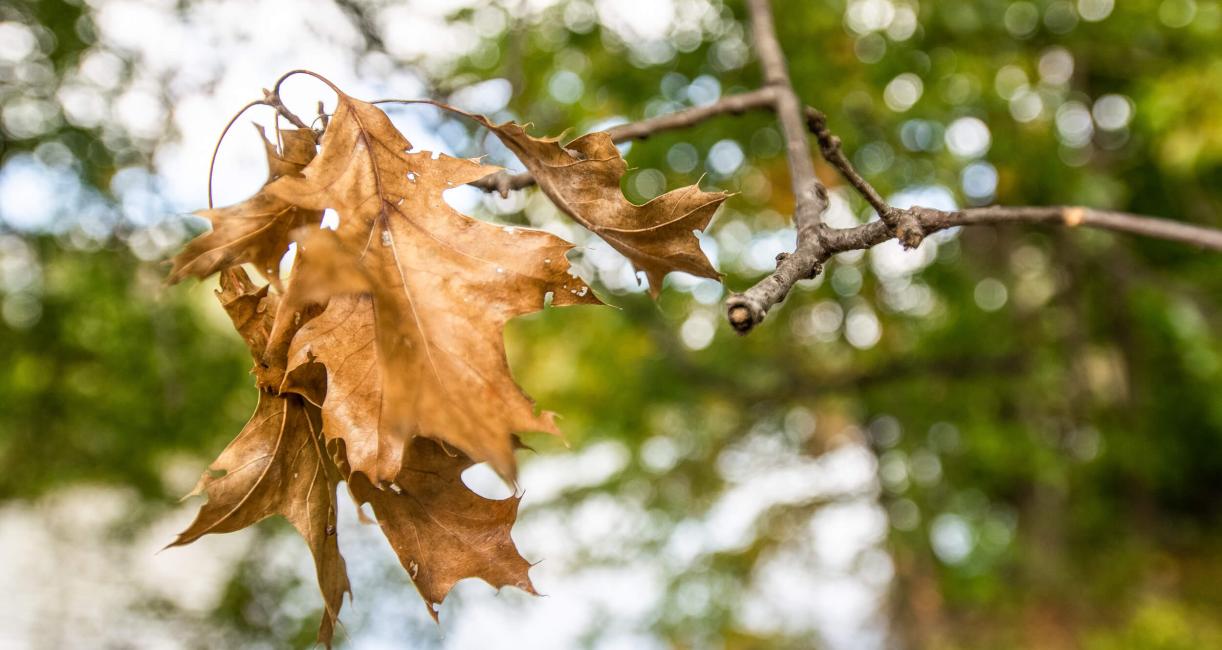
116,373
1056,392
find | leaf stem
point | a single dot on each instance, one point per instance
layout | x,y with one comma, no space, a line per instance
217,147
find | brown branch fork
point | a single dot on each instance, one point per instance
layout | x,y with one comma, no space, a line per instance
816,240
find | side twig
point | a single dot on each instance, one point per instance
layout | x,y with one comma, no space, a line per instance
906,227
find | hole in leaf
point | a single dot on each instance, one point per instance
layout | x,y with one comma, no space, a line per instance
485,482
330,219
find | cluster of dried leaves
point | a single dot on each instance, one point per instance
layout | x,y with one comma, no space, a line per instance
381,360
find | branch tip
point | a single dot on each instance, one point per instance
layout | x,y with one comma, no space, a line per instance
741,315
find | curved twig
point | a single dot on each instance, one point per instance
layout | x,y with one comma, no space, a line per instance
272,97
217,147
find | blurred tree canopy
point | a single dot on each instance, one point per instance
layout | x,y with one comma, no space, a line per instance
1042,406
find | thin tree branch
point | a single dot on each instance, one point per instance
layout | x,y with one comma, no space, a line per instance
763,98
930,221
773,289
918,221
748,308
817,242
731,104
1201,237
809,193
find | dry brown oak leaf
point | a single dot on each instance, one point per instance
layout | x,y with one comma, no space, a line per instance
414,346
583,179
440,529
255,231
276,465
